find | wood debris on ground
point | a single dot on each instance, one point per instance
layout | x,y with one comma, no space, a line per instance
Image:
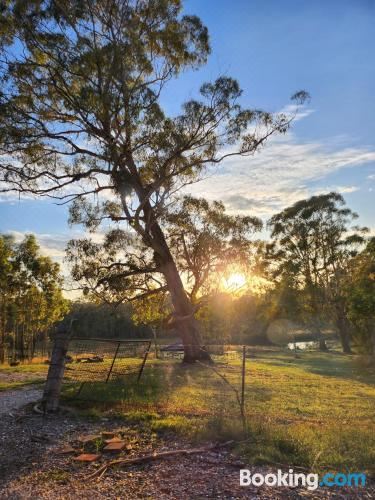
30,469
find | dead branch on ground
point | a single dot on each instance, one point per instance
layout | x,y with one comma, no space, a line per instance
99,473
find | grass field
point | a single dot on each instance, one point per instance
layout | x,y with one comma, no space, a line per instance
315,411
13,377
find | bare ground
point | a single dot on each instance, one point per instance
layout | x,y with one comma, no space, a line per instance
31,466
18,398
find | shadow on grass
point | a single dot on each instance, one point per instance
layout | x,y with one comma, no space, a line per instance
149,389
174,387
193,402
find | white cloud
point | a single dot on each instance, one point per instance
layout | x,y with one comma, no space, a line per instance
297,112
52,245
280,174
337,189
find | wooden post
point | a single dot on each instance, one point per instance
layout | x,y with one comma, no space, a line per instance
243,380
52,388
113,361
153,328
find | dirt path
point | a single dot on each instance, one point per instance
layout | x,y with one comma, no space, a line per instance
15,399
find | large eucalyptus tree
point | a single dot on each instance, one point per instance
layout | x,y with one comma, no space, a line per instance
81,119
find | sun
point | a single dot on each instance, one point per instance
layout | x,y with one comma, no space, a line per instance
234,282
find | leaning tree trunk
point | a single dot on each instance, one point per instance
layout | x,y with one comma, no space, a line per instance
154,237
183,318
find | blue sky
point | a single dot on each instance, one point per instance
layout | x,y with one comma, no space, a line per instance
273,48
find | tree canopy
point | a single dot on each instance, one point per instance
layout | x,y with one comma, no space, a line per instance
313,244
81,119
360,288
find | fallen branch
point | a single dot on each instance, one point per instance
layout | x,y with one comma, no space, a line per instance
154,456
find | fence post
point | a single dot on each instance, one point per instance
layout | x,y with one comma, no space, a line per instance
113,361
52,388
243,380
153,328
144,361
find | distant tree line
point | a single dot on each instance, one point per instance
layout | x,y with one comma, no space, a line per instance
311,257
107,322
31,299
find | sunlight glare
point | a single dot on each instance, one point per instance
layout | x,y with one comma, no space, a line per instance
234,282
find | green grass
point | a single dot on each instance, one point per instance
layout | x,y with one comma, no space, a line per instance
7,386
22,375
25,368
316,410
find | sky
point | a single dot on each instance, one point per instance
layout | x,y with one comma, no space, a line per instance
273,48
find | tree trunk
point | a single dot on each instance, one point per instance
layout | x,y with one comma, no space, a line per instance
2,348
372,341
184,318
2,334
322,345
52,388
344,332
153,329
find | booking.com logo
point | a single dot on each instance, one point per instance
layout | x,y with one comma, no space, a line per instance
293,479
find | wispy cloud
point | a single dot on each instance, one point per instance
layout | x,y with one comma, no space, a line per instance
296,111
280,174
284,171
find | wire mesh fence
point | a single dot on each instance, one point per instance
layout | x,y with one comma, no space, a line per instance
98,360
142,376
